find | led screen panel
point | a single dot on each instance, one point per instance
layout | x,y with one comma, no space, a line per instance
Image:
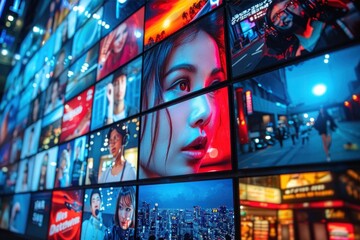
31,139
186,138
55,94
86,36
65,215
25,175
118,95
5,212
85,9
164,17
116,12
195,210
186,62
281,122
51,129
305,196
268,40
37,108
77,115
62,59
109,212
19,212
124,43
113,153
45,169
39,213
71,164
82,73
8,119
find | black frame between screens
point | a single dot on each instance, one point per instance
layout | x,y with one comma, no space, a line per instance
233,174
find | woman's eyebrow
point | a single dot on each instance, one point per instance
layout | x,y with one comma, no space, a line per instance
187,67
217,70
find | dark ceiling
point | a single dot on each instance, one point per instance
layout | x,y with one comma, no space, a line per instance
16,18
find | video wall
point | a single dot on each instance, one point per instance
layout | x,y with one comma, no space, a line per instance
197,119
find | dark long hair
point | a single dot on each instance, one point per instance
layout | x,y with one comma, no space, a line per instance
155,61
128,194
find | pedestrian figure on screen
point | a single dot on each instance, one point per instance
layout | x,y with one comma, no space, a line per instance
304,133
292,131
325,125
280,133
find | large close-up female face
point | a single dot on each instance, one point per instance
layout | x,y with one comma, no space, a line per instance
125,212
115,143
185,130
120,37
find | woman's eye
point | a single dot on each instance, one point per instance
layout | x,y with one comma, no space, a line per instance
181,85
128,209
184,86
215,82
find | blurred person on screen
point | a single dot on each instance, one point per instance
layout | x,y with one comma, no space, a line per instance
124,216
35,110
93,228
25,178
118,108
55,99
42,180
119,46
120,169
175,140
4,214
14,218
63,176
296,27
78,171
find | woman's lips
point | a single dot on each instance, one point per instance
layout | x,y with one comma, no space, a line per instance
123,224
196,149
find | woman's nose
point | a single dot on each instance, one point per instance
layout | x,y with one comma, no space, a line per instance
201,111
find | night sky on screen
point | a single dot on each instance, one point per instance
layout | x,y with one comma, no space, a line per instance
207,194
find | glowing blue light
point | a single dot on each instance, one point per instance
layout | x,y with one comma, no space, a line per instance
319,89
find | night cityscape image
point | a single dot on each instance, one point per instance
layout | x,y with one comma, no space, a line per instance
193,210
280,113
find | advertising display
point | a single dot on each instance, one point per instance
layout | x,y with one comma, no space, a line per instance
65,215
77,115
39,214
315,185
196,119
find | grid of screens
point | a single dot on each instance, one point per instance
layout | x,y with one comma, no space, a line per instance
184,120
